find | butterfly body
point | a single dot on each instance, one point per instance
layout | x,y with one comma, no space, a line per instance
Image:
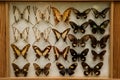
101,14
43,52
98,28
78,28
18,52
76,42
101,42
39,70
79,56
59,53
18,72
92,70
81,15
63,70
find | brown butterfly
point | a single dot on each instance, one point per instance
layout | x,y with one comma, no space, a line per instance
96,55
39,70
77,42
101,42
59,17
18,52
18,15
64,53
63,70
82,15
21,72
93,71
63,34
101,14
43,52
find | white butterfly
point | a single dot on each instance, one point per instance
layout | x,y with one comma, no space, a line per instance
21,35
42,15
44,34
18,15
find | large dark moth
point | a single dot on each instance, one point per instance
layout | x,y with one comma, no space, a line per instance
93,71
79,56
21,72
63,70
77,42
79,28
39,70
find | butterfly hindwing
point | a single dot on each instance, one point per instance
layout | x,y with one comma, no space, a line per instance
44,52
79,14
79,56
93,71
39,70
77,28
19,71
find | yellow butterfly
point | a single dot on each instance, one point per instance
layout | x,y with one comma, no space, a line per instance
61,17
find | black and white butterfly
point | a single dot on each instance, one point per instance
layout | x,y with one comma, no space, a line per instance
79,56
98,28
79,28
82,15
101,14
63,70
92,70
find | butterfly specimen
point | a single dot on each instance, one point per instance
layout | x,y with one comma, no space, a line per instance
77,28
101,14
39,70
44,52
64,53
77,42
63,34
96,55
101,42
42,15
79,56
63,70
21,72
82,15
92,71
98,28
44,34
18,15
21,35
18,52
61,17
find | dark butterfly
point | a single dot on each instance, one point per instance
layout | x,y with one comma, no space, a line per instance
77,28
18,52
64,70
96,55
77,42
21,72
79,14
64,53
39,70
101,42
21,35
62,35
98,28
18,15
61,17
79,56
101,14
93,71
40,52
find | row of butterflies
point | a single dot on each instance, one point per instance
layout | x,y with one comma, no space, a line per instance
64,53
45,15
93,71
76,28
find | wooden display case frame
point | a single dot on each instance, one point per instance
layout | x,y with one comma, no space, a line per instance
114,70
